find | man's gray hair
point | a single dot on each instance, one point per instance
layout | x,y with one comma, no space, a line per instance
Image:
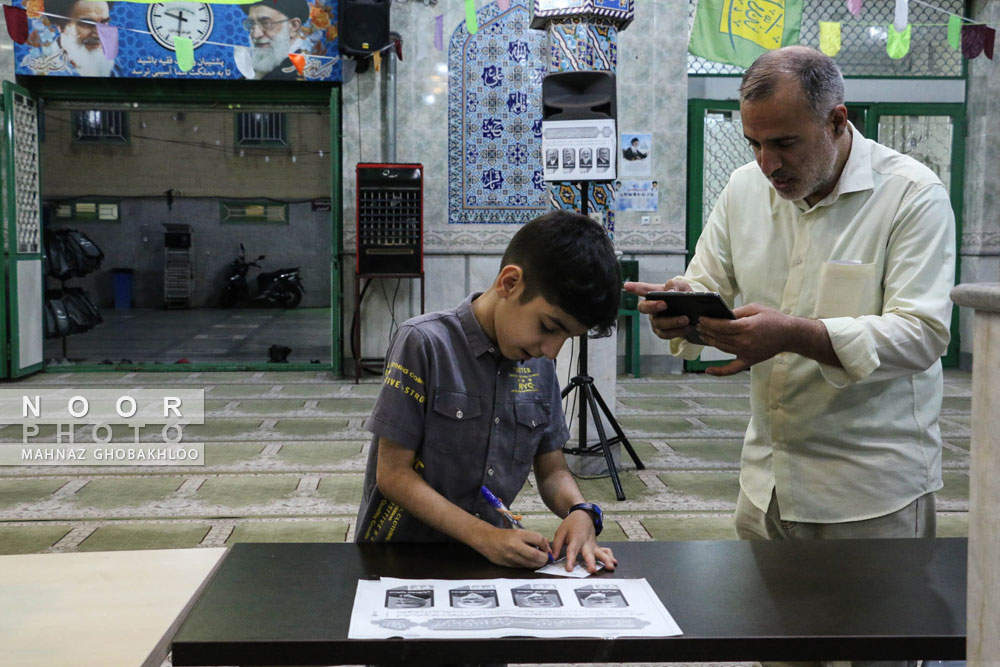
819,76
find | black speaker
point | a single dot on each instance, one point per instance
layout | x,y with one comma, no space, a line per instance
579,95
363,26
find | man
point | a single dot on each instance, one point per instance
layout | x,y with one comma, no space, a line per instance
273,27
843,251
633,152
77,22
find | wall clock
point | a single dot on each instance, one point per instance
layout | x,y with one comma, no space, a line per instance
167,20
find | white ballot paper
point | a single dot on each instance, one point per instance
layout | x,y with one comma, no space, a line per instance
472,608
558,569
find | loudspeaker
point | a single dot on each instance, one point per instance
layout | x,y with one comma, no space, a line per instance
579,95
363,26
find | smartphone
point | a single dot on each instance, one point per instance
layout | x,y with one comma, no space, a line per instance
694,305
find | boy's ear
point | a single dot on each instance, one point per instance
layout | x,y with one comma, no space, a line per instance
510,281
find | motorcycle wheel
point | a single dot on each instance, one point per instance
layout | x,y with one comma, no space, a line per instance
291,298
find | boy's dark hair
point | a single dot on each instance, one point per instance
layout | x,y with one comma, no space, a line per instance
569,260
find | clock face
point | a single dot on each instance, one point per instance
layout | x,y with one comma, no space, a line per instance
167,20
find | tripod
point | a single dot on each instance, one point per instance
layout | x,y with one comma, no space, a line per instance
590,396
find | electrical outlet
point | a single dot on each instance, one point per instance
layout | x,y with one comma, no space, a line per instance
655,220
644,220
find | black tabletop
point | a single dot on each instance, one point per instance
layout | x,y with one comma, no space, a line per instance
290,604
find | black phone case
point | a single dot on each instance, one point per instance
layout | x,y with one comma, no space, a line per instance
694,305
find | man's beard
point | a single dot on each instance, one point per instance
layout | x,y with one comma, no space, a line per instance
88,62
814,175
269,56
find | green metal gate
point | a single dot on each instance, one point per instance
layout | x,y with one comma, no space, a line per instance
934,134
22,330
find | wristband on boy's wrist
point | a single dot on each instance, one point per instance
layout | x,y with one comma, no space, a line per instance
595,513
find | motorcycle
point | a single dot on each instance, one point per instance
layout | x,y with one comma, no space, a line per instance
278,288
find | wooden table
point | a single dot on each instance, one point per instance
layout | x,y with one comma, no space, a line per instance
105,608
290,604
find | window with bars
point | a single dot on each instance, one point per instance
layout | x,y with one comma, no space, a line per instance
863,39
249,212
261,129
100,126
99,211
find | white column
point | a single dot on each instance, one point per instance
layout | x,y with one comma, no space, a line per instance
983,615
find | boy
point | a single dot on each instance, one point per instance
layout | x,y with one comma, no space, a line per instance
470,398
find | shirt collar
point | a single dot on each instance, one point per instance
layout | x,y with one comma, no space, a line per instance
478,340
857,173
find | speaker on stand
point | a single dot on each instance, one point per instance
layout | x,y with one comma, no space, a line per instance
363,29
579,143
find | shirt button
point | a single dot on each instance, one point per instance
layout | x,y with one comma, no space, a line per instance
496,420
476,515
492,350
490,472
786,311
533,423
796,261
774,406
458,414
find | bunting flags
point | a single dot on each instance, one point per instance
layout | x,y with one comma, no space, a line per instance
854,7
108,34
471,23
244,61
17,24
737,31
955,32
977,39
439,32
184,50
829,37
897,43
901,16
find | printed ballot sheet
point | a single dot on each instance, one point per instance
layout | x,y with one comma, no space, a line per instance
461,609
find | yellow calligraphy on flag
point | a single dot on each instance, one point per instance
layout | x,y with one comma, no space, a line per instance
759,21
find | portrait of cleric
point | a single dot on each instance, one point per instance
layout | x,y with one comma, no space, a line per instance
274,28
78,45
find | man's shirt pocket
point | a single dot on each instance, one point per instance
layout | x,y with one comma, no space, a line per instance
847,290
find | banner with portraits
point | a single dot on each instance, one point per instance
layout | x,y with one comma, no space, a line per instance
292,40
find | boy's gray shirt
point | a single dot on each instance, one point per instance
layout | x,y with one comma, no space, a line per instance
473,417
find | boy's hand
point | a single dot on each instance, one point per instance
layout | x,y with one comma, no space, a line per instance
576,533
514,548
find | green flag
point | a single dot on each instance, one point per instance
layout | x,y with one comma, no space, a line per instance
955,32
184,51
737,31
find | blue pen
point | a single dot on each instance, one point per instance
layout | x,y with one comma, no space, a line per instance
507,514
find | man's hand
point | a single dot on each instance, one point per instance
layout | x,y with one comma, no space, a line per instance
759,333
664,326
576,533
513,548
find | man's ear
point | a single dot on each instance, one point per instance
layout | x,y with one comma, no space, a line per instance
510,281
294,25
839,119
